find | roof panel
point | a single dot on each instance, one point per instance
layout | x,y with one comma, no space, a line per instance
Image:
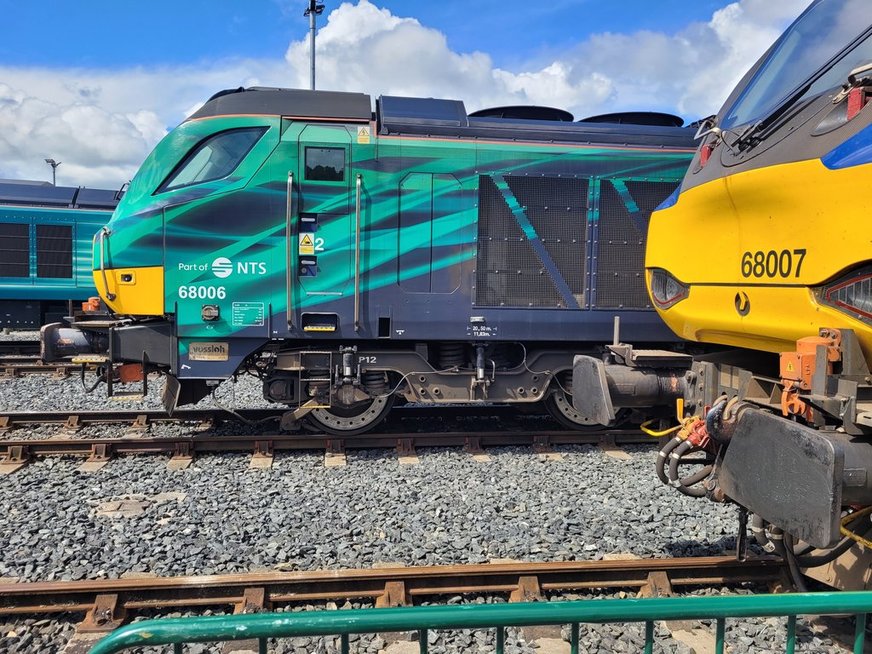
96,198
288,102
39,195
395,110
448,118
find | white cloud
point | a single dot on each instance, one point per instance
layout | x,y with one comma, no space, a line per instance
102,123
363,47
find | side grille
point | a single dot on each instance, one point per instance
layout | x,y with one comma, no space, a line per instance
14,250
557,209
509,272
54,251
554,211
625,208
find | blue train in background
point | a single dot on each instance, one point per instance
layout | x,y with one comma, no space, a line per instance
46,234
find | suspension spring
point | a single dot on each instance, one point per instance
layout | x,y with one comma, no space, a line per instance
375,383
452,355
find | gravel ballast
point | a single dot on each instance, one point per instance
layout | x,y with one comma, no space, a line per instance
219,516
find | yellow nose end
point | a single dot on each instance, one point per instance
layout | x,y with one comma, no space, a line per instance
136,291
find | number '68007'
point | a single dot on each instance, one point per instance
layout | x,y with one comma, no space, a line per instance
774,263
202,292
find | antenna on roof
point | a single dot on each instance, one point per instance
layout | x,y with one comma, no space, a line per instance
315,9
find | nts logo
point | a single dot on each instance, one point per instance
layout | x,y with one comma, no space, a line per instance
222,267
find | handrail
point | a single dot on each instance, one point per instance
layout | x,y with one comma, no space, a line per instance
482,616
357,255
289,278
103,234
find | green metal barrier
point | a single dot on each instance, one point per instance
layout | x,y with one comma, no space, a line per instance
261,626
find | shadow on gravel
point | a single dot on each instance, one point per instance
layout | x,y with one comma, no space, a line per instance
722,546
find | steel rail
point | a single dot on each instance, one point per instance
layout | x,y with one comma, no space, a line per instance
121,416
109,416
19,359
385,587
273,442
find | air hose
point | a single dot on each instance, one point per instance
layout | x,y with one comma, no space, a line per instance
663,455
713,417
789,555
684,485
802,555
672,452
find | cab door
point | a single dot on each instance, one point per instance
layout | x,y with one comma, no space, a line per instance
325,220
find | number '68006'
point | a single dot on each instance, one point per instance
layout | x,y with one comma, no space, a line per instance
202,292
773,263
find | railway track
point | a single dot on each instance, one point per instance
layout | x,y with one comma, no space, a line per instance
510,418
109,602
19,348
13,367
74,420
182,449
22,357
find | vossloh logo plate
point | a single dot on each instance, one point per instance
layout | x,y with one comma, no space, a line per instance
209,351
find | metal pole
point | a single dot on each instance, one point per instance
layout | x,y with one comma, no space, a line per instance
315,9
312,50
54,165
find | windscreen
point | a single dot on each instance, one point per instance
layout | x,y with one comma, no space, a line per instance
214,158
798,65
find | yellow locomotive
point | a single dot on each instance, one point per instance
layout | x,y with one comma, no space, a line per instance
764,249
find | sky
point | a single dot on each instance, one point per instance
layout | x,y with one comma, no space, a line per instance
96,84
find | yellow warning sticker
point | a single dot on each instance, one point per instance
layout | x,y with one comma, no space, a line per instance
307,245
363,134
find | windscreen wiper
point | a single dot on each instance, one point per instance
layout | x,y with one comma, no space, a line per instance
709,126
753,132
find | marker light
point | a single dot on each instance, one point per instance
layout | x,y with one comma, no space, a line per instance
665,289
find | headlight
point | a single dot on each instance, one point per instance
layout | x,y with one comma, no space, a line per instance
665,289
852,294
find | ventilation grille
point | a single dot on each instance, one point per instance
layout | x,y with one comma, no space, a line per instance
510,272
557,210
14,250
623,223
54,251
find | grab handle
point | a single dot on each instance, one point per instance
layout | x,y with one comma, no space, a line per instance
357,256
103,234
289,278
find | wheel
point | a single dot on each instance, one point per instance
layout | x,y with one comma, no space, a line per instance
347,421
559,405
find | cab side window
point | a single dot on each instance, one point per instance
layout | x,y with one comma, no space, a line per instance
213,158
325,164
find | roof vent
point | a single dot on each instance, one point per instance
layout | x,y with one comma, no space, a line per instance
525,112
654,118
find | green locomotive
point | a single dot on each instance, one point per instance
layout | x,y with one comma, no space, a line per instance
351,257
